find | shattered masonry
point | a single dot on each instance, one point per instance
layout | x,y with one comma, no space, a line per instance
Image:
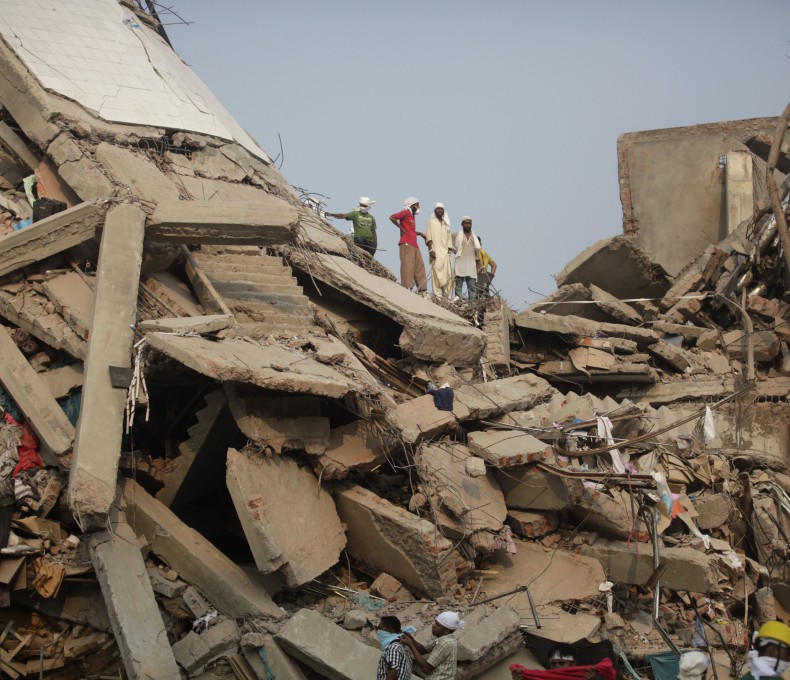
219,438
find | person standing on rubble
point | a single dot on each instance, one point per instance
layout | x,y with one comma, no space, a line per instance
467,259
412,267
442,650
364,225
440,244
395,662
771,653
486,271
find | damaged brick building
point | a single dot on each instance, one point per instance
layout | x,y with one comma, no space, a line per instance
224,458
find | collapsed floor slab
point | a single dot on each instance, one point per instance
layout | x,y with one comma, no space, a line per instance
393,540
194,558
301,540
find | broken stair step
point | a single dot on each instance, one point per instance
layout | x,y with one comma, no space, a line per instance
266,309
283,277
286,292
250,259
254,266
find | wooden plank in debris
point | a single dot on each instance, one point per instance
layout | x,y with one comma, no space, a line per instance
267,222
49,236
97,448
34,399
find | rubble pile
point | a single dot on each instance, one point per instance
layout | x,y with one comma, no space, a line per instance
232,442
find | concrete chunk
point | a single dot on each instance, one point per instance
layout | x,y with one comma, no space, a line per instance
49,236
97,447
195,650
289,521
391,539
223,222
608,303
34,399
419,419
195,559
329,650
505,448
687,568
187,324
485,400
136,621
529,489
360,445
278,662
577,326
532,523
490,634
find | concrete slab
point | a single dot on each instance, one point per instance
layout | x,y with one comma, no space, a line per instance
188,324
268,221
282,665
506,448
97,447
528,489
300,539
34,400
532,523
73,298
577,326
464,503
553,575
360,445
136,622
430,332
195,650
419,419
687,568
492,398
49,236
619,266
327,648
268,366
280,423
490,634
391,539
195,559
136,171
614,307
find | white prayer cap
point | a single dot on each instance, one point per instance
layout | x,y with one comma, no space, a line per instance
693,665
364,200
438,205
465,218
450,620
409,202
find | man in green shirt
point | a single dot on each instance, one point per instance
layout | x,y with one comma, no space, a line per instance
364,225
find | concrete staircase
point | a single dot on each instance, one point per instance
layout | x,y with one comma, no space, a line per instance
260,290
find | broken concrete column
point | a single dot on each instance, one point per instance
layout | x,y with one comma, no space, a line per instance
34,399
394,540
290,522
327,648
94,468
194,558
686,568
134,614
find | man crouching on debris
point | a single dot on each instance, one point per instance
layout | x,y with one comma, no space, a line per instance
442,650
395,662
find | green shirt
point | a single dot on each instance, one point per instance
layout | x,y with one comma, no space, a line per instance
364,224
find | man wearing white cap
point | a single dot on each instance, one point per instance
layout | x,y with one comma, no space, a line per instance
364,225
440,244
442,650
412,267
467,259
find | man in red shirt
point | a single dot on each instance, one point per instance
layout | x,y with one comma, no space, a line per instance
412,267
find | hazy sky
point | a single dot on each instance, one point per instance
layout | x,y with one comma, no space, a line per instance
506,110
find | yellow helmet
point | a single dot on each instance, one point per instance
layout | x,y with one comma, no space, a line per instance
776,631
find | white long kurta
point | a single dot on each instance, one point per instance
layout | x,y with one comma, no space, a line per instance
466,255
438,233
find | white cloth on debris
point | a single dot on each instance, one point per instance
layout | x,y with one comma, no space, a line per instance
605,434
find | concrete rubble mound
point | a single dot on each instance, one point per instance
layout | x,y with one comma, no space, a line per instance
221,454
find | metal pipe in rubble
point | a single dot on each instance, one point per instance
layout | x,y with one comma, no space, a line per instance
657,589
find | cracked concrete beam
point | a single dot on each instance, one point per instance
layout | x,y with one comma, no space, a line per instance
94,468
268,221
49,236
34,399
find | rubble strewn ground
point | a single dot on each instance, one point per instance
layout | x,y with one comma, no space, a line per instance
219,456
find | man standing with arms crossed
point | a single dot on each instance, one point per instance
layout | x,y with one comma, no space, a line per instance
440,245
412,267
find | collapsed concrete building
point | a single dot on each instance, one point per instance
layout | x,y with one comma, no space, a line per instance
224,458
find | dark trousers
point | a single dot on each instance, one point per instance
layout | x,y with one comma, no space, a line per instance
366,244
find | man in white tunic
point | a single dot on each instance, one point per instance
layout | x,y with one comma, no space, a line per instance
440,244
467,255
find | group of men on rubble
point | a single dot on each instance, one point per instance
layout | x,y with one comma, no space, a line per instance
473,268
437,659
